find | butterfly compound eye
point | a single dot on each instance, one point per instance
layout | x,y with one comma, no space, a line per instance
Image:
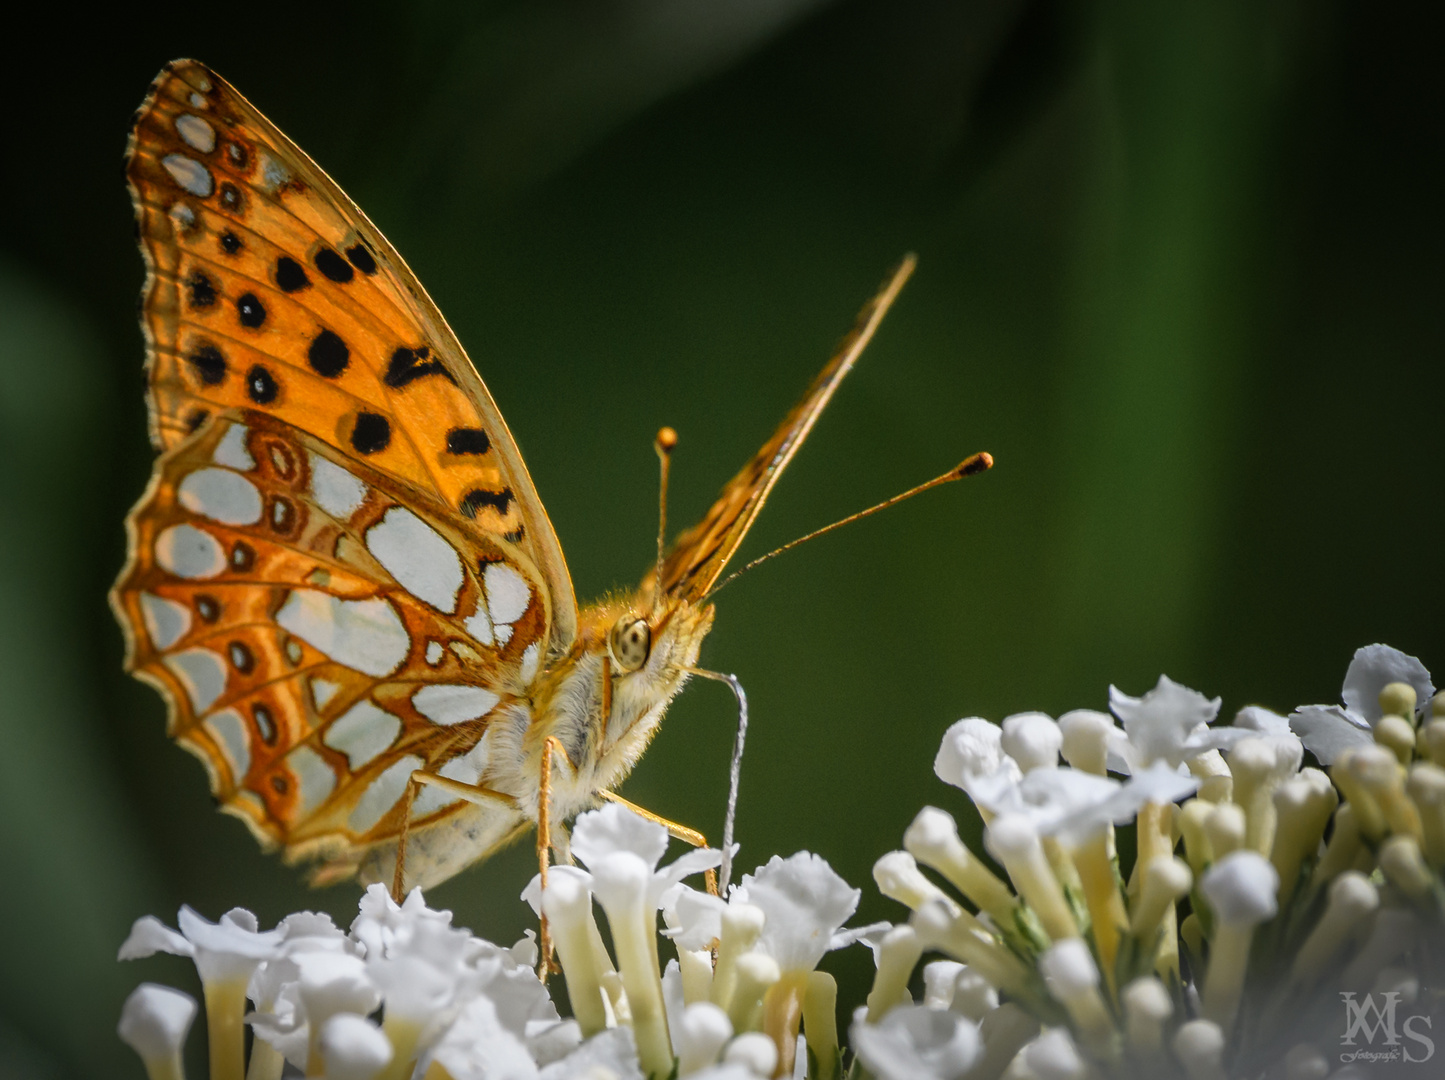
630,642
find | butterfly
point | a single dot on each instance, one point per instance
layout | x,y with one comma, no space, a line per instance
340,576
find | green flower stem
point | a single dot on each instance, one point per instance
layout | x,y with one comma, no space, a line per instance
1426,787
741,926
820,1023
1224,981
637,962
755,974
1106,904
898,953
695,966
1017,846
403,1032
782,1013
225,1030
266,1061
568,907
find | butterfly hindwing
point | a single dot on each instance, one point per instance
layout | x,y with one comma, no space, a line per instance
319,631
269,290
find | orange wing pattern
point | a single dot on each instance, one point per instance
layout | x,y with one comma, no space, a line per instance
268,289
319,631
701,553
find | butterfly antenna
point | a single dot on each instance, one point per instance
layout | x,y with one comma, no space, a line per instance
970,466
664,444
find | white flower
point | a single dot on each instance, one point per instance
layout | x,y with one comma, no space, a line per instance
611,1055
1242,888
1170,723
1329,730
224,951
154,1023
971,757
1275,730
382,922
805,903
478,1047
1032,739
1075,805
353,1048
914,1042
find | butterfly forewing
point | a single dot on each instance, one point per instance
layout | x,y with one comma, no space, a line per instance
701,553
320,631
269,290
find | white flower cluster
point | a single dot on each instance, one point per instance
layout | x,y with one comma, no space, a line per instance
1298,885
1298,888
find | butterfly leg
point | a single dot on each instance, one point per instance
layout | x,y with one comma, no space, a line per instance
473,793
678,832
544,846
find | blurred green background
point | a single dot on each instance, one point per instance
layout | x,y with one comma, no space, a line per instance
1180,271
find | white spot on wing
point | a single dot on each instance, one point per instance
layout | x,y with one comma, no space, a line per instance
366,635
183,216
189,173
166,621
313,776
196,132
466,769
335,490
530,655
189,552
273,173
416,555
504,634
202,673
450,703
198,102
362,732
508,593
480,624
229,731
221,495
434,653
231,450
322,691
383,794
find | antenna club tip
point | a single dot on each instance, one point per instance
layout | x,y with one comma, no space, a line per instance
666,440
972,466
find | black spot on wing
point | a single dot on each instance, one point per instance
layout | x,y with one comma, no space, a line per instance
266,726
515,536
243,557
408,365
242,659
473,501
231,197
328,354
251,311
207,608
202,290
290,275
333,265
467,440
361,258
230,242
208,363
261,385
371,434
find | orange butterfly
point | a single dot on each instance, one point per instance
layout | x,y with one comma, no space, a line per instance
340,577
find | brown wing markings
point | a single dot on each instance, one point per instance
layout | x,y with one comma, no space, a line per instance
699,555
